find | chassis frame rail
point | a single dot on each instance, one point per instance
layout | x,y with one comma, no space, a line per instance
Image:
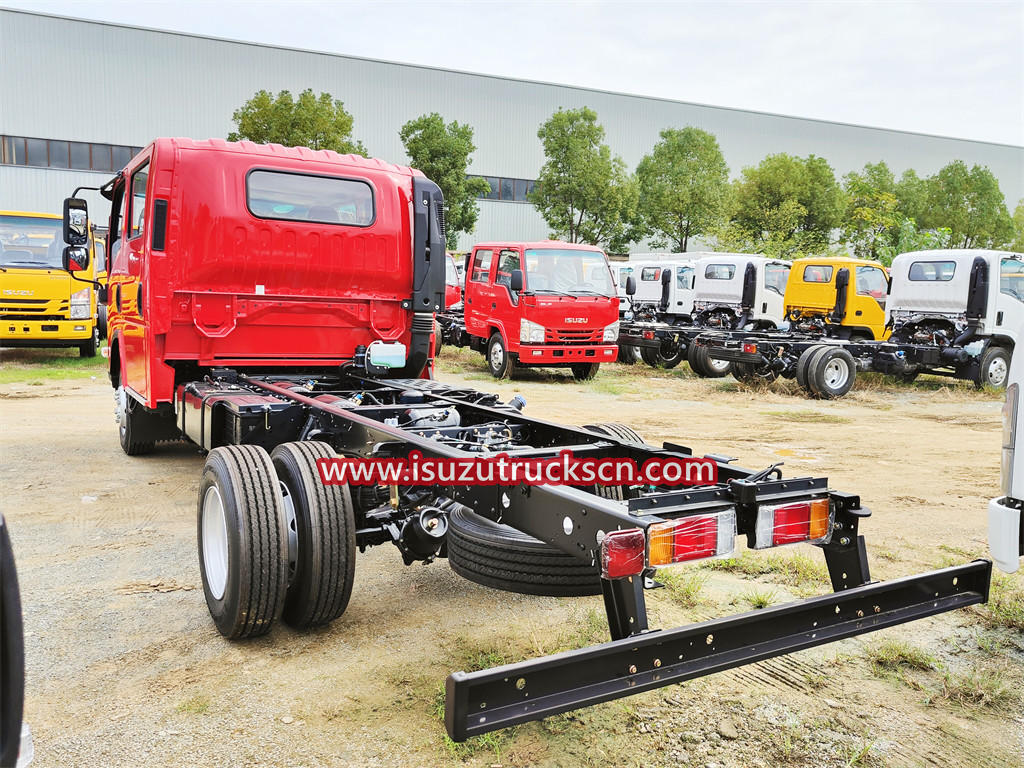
478,702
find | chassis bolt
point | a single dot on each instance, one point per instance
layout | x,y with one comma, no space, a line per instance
632,669
657,662
860,614
845,541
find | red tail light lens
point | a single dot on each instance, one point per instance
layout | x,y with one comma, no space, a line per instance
750,349
692,538
622,553
781,524
649,335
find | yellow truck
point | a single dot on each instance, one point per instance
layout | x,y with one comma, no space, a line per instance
838,296
41,305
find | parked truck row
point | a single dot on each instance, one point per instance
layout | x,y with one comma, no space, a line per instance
276,307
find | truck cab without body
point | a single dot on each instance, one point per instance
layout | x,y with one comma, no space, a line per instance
41,305
546,303
275,307
1006,513
735,290
838,297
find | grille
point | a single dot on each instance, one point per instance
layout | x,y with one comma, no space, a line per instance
7,316
573,336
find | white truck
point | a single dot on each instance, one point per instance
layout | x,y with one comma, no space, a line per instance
969,304
664,287
739,290
1005,526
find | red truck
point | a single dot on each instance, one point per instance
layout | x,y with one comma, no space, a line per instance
275,307
541,304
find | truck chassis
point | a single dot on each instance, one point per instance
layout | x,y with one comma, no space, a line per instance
359,415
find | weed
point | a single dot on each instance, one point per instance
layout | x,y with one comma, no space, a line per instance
685,587
1005,606
894,654
978,688
759,598
797,570
197,705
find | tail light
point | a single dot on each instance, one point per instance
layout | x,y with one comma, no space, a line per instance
649,335
750,349
692,538
781,524
622,553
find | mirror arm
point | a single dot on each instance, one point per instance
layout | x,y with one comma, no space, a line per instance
85,280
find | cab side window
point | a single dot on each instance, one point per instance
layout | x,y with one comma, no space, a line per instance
137,211
481,266
684,278
775,277
117,208
1011,278
507,261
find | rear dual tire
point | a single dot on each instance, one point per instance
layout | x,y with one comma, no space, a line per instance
704,365
826,371
273,540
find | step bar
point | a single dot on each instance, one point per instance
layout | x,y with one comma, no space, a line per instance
491,699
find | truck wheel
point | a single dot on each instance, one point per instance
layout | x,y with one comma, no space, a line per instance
438,341
994,368
321,536
12,654
626,435
101,321
664,356
832,372
243,540
502,557
703,365
749,373
585,371
132,428
88,348
803,362
627,354
499,359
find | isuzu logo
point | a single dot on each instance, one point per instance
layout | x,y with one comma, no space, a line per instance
12,292
576,320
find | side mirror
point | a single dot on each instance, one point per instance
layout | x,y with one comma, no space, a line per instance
666,275
76,259
516,281
76,221
630,285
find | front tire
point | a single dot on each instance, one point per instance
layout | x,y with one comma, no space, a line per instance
584,371
321,536
831,373
243,541
132,427
994,368
499,359
438,342
627,354
88,348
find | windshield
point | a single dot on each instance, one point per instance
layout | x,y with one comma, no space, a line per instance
31,242
569,272
451,272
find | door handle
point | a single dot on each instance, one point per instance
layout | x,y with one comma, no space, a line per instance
493,305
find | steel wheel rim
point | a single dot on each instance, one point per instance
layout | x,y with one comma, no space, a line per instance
997,371
718,365
835,374
293,531
215,543
121,410
497,356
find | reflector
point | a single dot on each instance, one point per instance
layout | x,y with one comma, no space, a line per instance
622,553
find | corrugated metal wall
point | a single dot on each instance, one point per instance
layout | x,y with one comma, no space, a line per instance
86,81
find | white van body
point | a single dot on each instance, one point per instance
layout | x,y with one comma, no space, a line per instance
1005,513
718,287
935,286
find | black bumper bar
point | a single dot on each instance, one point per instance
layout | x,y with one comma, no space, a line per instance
500,697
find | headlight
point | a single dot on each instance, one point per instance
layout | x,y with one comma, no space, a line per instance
80,304
1009,434
611,333
530,332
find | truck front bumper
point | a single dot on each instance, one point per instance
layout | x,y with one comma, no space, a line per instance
555,354
1005,537
477,702
45,333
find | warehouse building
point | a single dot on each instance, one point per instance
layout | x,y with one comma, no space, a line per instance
78,98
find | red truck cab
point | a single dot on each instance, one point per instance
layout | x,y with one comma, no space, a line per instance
452,283
542,304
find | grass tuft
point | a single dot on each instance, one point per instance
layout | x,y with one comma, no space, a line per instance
797,570
759,598
894,654
197,705
979,688
685,587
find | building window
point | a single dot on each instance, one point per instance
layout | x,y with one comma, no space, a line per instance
72,155
508,190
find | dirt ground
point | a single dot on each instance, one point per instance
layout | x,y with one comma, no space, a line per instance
124,666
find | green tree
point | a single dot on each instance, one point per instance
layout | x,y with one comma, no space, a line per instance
684,186
310,121
907,237
970,203
1018,228
872,209
443,152
785,206
912,192
583,192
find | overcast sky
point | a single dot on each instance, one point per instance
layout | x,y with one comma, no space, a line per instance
947,68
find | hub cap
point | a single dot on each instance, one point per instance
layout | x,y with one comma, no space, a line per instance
121,410
497,356
215,543
997,372
293,531
835,374
718,365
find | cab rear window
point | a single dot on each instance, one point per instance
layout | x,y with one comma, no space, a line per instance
649,274
817,273
720,271
932,271
303,197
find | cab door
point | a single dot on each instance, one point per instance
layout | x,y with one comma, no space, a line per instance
477,300
868,291
131,293
504,301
